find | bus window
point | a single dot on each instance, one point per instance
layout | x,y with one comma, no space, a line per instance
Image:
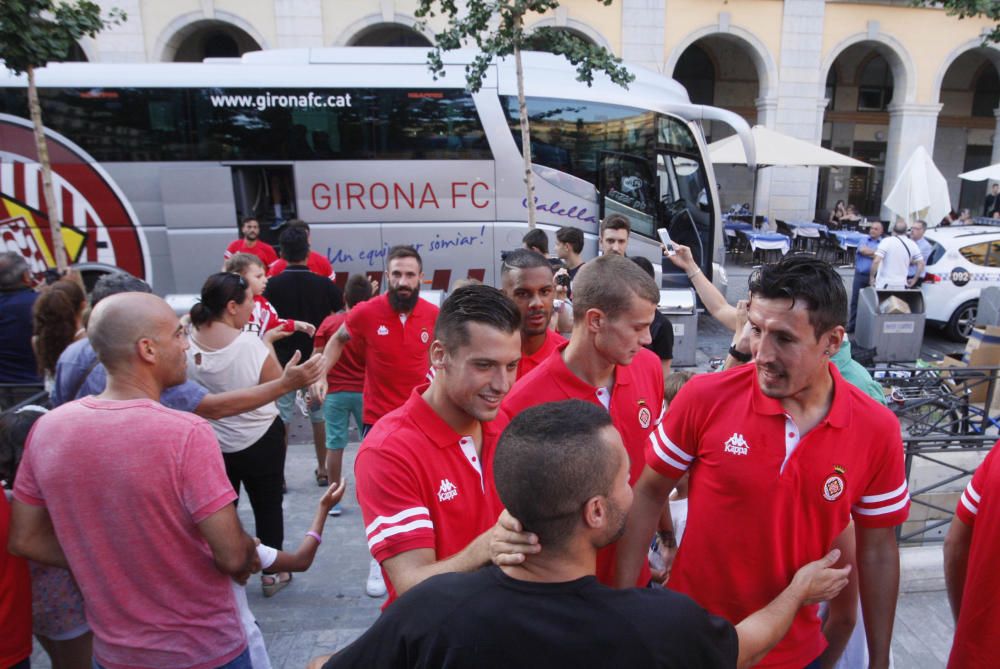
626,187
570,135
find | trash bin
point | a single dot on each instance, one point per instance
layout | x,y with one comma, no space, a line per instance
893,336
989,306
679,306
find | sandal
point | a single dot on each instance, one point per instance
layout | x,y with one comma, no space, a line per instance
321,479
272,583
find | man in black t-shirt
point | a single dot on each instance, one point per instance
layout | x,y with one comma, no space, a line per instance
299,294
562,469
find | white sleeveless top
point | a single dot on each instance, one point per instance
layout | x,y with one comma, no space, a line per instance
234,367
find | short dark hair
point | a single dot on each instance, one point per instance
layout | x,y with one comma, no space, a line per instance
403,251
536,239
549,462
523,259
616,222
115,283
294,241
357,290
807,279
572,236
475,303
297,223
247,219
608,283
646,266
218,290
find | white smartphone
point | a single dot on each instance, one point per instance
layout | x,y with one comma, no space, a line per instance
667,242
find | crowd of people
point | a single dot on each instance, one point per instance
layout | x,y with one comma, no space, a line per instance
538,487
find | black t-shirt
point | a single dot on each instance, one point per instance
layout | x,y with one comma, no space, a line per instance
662,333
487,620
300,295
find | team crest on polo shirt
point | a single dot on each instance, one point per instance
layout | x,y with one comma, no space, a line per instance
644,414
448,491
424,336
834,485
383,331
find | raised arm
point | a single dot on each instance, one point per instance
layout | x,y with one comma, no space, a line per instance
293,377
713,299
504,543
815,582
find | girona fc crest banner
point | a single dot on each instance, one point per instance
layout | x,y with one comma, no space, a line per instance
98,222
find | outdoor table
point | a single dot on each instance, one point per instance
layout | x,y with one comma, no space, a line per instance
765,246
848,240
807,229
732,227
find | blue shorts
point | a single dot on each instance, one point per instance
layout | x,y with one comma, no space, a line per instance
338,409
287,408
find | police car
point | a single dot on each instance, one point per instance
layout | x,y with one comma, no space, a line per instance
963,261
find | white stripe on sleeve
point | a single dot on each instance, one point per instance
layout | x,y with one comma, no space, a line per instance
398,529
406,513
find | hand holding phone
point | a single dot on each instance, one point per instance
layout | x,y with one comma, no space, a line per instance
668,243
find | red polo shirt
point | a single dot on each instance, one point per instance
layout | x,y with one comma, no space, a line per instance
635,404
317,264
764,501
422,485
977,633
396,352
263,251
528,362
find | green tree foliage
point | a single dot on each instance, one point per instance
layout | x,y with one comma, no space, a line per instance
34,33
497,29
970,9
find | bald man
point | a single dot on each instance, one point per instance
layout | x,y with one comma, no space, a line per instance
117,484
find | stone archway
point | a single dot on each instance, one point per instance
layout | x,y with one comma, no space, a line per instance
389,34
194,37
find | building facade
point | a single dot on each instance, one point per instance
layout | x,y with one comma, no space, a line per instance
873,79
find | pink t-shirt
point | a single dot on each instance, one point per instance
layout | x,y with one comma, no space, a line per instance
125,483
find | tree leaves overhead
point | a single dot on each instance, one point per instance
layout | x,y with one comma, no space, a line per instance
35,32
971,9
496,27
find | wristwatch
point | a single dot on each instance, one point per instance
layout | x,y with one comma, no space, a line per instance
739,355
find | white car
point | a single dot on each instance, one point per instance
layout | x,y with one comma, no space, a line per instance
964,260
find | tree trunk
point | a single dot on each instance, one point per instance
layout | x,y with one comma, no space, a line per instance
55,225
529,180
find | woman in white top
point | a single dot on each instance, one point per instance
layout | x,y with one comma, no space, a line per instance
223,358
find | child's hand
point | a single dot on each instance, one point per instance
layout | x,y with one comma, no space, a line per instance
333,495
304,326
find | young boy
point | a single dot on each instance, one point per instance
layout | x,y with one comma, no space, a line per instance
346,380
264,319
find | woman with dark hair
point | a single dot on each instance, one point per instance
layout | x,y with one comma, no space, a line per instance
222,357
58,322
839,212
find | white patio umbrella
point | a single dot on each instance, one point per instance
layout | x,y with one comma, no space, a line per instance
775,149
920,191
991,172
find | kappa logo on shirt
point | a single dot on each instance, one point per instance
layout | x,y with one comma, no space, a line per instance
383,331
737,445
447,491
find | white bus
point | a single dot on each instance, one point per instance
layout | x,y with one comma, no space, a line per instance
155,164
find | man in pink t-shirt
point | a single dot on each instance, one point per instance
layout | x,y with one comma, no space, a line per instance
133,498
